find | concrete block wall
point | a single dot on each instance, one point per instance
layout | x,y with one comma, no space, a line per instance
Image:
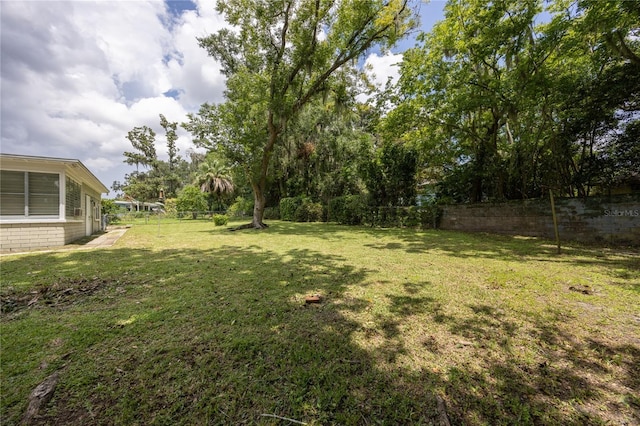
614,219
27,236
74,231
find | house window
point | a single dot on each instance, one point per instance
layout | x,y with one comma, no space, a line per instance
12,186
73,198
29,194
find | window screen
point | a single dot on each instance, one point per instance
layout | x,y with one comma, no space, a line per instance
12,189
29,194
44,194
73,198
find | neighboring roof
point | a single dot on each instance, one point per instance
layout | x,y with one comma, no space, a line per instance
71,164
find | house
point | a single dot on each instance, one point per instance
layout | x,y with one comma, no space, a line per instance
46,202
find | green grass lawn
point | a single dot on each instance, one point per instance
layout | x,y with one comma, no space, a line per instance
188,323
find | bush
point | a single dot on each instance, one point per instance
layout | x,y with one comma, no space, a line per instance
348,210
109,207
111,210
430,216
191,199
241,207
170,208
272,213
425,217
220,219
413,217
288,208
308,212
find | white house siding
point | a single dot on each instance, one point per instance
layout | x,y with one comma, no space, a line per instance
95,214
21,234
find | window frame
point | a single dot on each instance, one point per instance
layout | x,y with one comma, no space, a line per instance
27,216
68,195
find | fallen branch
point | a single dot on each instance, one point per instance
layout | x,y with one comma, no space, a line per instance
284,418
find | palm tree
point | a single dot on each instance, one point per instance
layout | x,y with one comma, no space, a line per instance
214,177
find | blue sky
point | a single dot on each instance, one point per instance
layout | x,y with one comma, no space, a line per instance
177,7
76,76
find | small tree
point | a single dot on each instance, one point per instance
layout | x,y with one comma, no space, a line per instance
214,178
109,208
191,199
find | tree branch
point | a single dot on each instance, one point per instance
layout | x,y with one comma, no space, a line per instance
345,57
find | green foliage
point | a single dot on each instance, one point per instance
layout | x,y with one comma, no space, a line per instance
108,207
111,209
214,177
172,178
320,153
240,207
142,139
272,75
272,213
390,176
289,206
425,217
308,211
191,199
502,106
220,219
170,207
348,210
162,179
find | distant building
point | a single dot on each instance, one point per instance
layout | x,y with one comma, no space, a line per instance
138,206
46,202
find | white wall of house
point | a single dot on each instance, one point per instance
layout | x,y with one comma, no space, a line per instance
59,202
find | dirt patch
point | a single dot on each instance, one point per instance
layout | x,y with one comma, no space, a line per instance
63,292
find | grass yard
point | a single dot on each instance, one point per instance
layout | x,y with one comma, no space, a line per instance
187,323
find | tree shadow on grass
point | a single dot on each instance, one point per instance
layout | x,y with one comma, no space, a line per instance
223,336
623,264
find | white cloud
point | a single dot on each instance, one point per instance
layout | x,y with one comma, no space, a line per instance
382,68
77,76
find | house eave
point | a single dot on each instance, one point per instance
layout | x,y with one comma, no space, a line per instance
70,164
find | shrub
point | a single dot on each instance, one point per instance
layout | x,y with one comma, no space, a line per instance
348,209
140,214
111,210
430,216
109,207
240,207
288,207
191,199
220,219
424,217
308,212
413,217
170,207
272,213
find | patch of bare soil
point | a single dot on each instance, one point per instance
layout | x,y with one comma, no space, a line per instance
63,292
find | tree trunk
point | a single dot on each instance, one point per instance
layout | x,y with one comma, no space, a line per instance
259,202
260,184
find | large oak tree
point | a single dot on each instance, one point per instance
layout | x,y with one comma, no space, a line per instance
278,56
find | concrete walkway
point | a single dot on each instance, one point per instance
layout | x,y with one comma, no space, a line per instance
105,240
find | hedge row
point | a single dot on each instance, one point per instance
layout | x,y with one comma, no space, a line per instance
354,210
300,209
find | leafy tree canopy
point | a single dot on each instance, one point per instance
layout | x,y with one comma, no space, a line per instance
280,56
